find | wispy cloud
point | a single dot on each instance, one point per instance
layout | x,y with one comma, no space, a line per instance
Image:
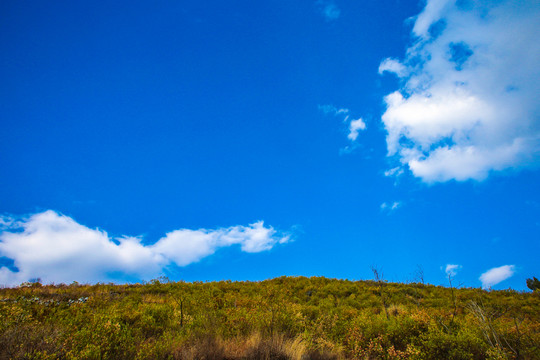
6,222
496,275
393,66
452,269
355,126
390,206
329,9
397,171
56,248
332,110
468,103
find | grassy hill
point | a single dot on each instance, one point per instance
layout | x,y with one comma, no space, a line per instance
283,318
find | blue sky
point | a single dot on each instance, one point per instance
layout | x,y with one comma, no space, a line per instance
207,140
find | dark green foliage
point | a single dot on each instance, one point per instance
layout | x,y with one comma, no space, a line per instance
533,284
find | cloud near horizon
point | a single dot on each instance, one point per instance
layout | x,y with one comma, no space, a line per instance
55,248
452,269
496,275
468,102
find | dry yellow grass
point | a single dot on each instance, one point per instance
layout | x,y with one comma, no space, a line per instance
254,346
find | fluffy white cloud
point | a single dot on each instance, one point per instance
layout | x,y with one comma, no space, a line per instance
452,269
496,275
56,248
354,127
468,103
187,246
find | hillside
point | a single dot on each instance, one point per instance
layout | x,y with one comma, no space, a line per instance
282,318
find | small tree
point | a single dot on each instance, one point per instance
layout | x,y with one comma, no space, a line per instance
533,284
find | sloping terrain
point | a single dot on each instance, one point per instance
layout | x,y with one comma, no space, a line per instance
282,318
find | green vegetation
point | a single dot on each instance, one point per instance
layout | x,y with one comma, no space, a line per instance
533,284
283,318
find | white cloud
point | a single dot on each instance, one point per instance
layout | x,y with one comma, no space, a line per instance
328,9
496,275
187,246
452,269
468,104
354,127
393,66
56,248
